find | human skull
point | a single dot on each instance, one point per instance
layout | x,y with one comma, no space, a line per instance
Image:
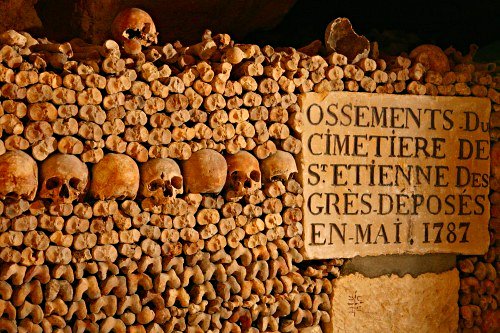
134,24
341,38
116,176
279,166
432,57
18,175
243,175
160,178
64,178
204,172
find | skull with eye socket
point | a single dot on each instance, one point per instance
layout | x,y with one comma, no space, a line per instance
161,178
64,178
243,175
134,28
279,166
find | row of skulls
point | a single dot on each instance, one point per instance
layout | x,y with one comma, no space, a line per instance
65,178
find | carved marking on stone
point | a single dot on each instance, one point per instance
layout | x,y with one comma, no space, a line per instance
355,302
426,303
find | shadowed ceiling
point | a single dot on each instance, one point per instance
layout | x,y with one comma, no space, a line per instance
396,25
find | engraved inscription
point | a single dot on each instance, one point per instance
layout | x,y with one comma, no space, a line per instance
394,174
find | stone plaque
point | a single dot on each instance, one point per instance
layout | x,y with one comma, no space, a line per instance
427,303
387,174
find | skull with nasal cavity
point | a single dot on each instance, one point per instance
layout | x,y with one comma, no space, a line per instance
243,175
64,178
161,178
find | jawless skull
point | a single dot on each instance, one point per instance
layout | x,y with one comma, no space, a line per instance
243,175
18,176
432,57
279,166
64,178
116,176
204,172
134,25
161,178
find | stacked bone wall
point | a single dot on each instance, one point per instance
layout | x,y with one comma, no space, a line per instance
199,262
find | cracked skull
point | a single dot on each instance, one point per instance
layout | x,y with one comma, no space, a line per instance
116,176
18,175
64,178
279,166
160,178
340,37
134,25
243,175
